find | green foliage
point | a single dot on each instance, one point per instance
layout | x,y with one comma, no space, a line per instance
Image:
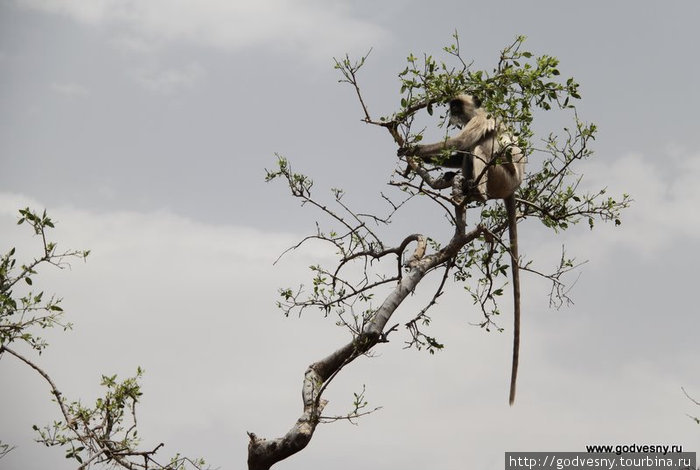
300,185
107,432
23,315
519,84
107,428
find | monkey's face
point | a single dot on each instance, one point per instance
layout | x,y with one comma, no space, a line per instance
462,109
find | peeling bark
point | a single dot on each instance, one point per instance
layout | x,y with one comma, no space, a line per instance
264,453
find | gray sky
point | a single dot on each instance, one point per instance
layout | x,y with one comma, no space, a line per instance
144,128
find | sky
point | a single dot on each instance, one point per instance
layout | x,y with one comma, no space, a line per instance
144,128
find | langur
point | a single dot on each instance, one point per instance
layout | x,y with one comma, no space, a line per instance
492,168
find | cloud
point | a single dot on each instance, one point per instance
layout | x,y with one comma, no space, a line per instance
315,28
130,43
665,193
167,81
70,90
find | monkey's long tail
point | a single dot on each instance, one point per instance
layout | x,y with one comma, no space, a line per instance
515,268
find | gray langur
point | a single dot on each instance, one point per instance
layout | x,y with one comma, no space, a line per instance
492,168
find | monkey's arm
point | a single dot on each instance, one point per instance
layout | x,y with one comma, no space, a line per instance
475,131
428,155
454,160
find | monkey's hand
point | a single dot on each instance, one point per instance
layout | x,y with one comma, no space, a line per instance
406,151
448,176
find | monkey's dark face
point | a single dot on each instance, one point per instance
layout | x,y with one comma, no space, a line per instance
462,109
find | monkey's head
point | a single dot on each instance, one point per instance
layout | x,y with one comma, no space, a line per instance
463,108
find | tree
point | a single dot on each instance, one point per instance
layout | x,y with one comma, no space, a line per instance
103,434
368,268
520,86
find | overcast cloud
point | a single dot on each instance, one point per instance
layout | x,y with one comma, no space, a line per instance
280,25
144,129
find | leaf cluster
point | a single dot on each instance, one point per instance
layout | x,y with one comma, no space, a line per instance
519,84
23,315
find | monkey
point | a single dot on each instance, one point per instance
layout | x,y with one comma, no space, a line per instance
492,168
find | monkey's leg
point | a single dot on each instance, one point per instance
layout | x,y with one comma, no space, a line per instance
467,173
476,175
503,180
